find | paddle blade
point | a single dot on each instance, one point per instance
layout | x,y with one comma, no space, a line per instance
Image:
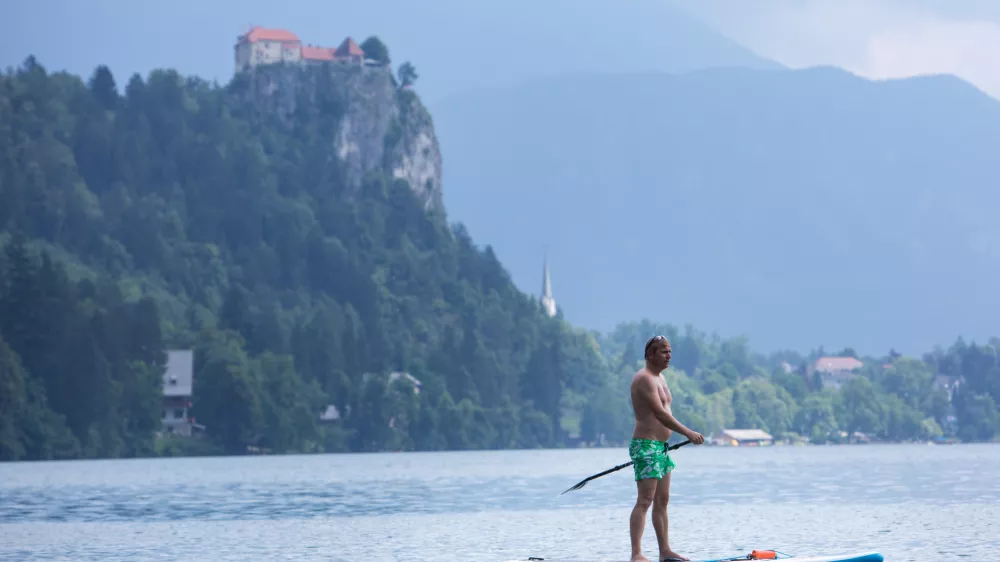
589,478
579,485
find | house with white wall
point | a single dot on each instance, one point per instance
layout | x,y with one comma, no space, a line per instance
178,393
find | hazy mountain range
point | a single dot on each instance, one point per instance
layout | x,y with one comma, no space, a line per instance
799,207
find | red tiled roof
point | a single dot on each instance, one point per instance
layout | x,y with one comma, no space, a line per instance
317,53
349,48
263,34
829,364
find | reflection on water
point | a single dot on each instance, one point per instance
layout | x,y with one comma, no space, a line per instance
919,502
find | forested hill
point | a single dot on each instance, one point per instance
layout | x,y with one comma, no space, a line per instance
287,226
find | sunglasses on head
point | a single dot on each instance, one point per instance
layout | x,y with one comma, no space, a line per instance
653,340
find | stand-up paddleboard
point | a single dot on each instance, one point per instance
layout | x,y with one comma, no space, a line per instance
760,555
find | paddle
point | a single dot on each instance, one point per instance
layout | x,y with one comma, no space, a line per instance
583,482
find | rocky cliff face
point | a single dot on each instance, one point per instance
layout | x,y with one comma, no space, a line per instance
377,127
414,154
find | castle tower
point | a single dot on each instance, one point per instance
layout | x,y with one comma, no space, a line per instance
547,301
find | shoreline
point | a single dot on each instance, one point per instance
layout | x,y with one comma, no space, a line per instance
778,444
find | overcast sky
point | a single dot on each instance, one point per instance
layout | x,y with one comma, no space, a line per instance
873,38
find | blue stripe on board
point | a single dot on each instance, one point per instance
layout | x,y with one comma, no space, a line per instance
853,557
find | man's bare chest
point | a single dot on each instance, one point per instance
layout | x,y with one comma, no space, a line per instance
664,391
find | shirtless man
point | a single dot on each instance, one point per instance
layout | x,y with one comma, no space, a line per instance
654,424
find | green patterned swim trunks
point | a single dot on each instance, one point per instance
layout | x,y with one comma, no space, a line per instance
649,458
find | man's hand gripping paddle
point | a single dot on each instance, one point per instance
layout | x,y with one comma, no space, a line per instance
583,482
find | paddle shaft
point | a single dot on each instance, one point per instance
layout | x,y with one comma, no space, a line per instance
619,467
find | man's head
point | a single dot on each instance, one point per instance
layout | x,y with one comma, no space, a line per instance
657,353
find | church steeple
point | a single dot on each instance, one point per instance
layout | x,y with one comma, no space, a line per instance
548,302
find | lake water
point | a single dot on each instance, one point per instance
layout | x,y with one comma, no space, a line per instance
909,502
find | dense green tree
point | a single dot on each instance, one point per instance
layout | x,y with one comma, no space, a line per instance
376,50
407,74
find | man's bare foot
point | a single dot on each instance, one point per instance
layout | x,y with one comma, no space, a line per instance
671,555
639,558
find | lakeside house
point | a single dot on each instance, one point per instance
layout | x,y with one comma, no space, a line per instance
414,381
834,371
178,390
262,46
330,415
744,438
947,383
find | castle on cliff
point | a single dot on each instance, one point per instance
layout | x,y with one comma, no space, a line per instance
260,46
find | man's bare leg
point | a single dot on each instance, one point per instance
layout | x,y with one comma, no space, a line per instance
645,490
660,526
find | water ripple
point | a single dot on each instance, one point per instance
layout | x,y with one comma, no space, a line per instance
306,487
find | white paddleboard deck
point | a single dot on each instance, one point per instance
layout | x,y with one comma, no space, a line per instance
853,557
